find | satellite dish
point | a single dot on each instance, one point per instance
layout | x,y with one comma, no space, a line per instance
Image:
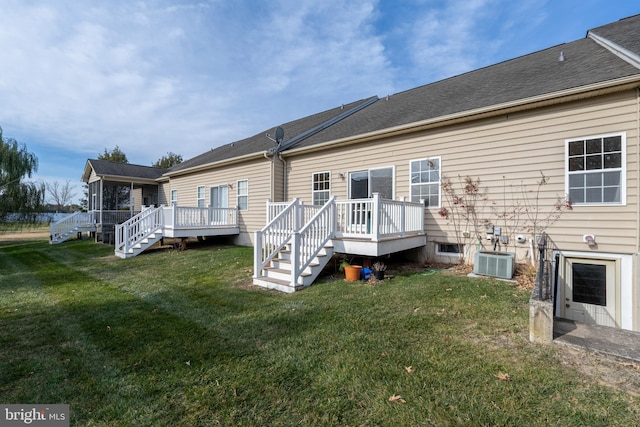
279,134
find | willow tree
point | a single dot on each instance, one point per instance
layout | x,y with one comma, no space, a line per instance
20,200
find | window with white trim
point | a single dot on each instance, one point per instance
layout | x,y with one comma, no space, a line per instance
425,181
174,197
321,187
201,197
243,194
596,170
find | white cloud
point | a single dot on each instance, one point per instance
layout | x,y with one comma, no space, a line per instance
158,76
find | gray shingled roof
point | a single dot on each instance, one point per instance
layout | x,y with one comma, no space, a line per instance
539,73
259,143
625,33
113,169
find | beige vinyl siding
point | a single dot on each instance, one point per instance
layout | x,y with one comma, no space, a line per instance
93,177
137,198
278,181
164,194
257,172
505,152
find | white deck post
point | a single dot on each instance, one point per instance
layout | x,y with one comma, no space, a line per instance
422,219
334,217
174,216
295,258
268,208
257,254
299,215
375,220
403,209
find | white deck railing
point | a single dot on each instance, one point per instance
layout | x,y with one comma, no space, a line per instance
311,239
193,217
276,234
307,211
77,220
378,218
157,220
309,228
138,228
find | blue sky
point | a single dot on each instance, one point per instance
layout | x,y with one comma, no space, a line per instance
185,76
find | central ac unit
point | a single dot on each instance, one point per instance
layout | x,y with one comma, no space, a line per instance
495,264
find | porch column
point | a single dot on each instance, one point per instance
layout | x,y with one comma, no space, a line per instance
101,201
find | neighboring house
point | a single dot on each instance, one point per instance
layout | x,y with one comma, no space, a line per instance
571,111
115,193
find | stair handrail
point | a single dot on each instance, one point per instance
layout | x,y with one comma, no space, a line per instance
275,235
312,238
138,228
69,223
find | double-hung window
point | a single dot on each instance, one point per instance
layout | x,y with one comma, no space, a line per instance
596,171
425,181
174,197
243,194
200,197
321,187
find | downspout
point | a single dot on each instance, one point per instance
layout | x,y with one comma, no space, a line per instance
272,173
637,169
636,311
285,189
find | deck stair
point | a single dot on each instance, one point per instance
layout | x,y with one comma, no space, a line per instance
70,226
289,256
278,274
139,233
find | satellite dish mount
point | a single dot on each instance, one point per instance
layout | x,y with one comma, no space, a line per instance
279,135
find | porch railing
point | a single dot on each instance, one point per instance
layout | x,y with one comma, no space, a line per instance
70,223
155,220
311,239
114,217
377,218
138,228
275,235
195,217
308,211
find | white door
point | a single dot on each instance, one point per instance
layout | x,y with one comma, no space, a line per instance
590,291
219,199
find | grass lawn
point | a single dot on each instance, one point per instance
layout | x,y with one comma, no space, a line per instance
182,339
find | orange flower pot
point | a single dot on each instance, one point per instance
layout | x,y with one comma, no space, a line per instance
352,272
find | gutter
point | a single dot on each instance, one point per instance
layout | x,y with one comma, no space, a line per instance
131,179
224,162
582,92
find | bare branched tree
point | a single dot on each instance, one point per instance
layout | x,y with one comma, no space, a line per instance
60,194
